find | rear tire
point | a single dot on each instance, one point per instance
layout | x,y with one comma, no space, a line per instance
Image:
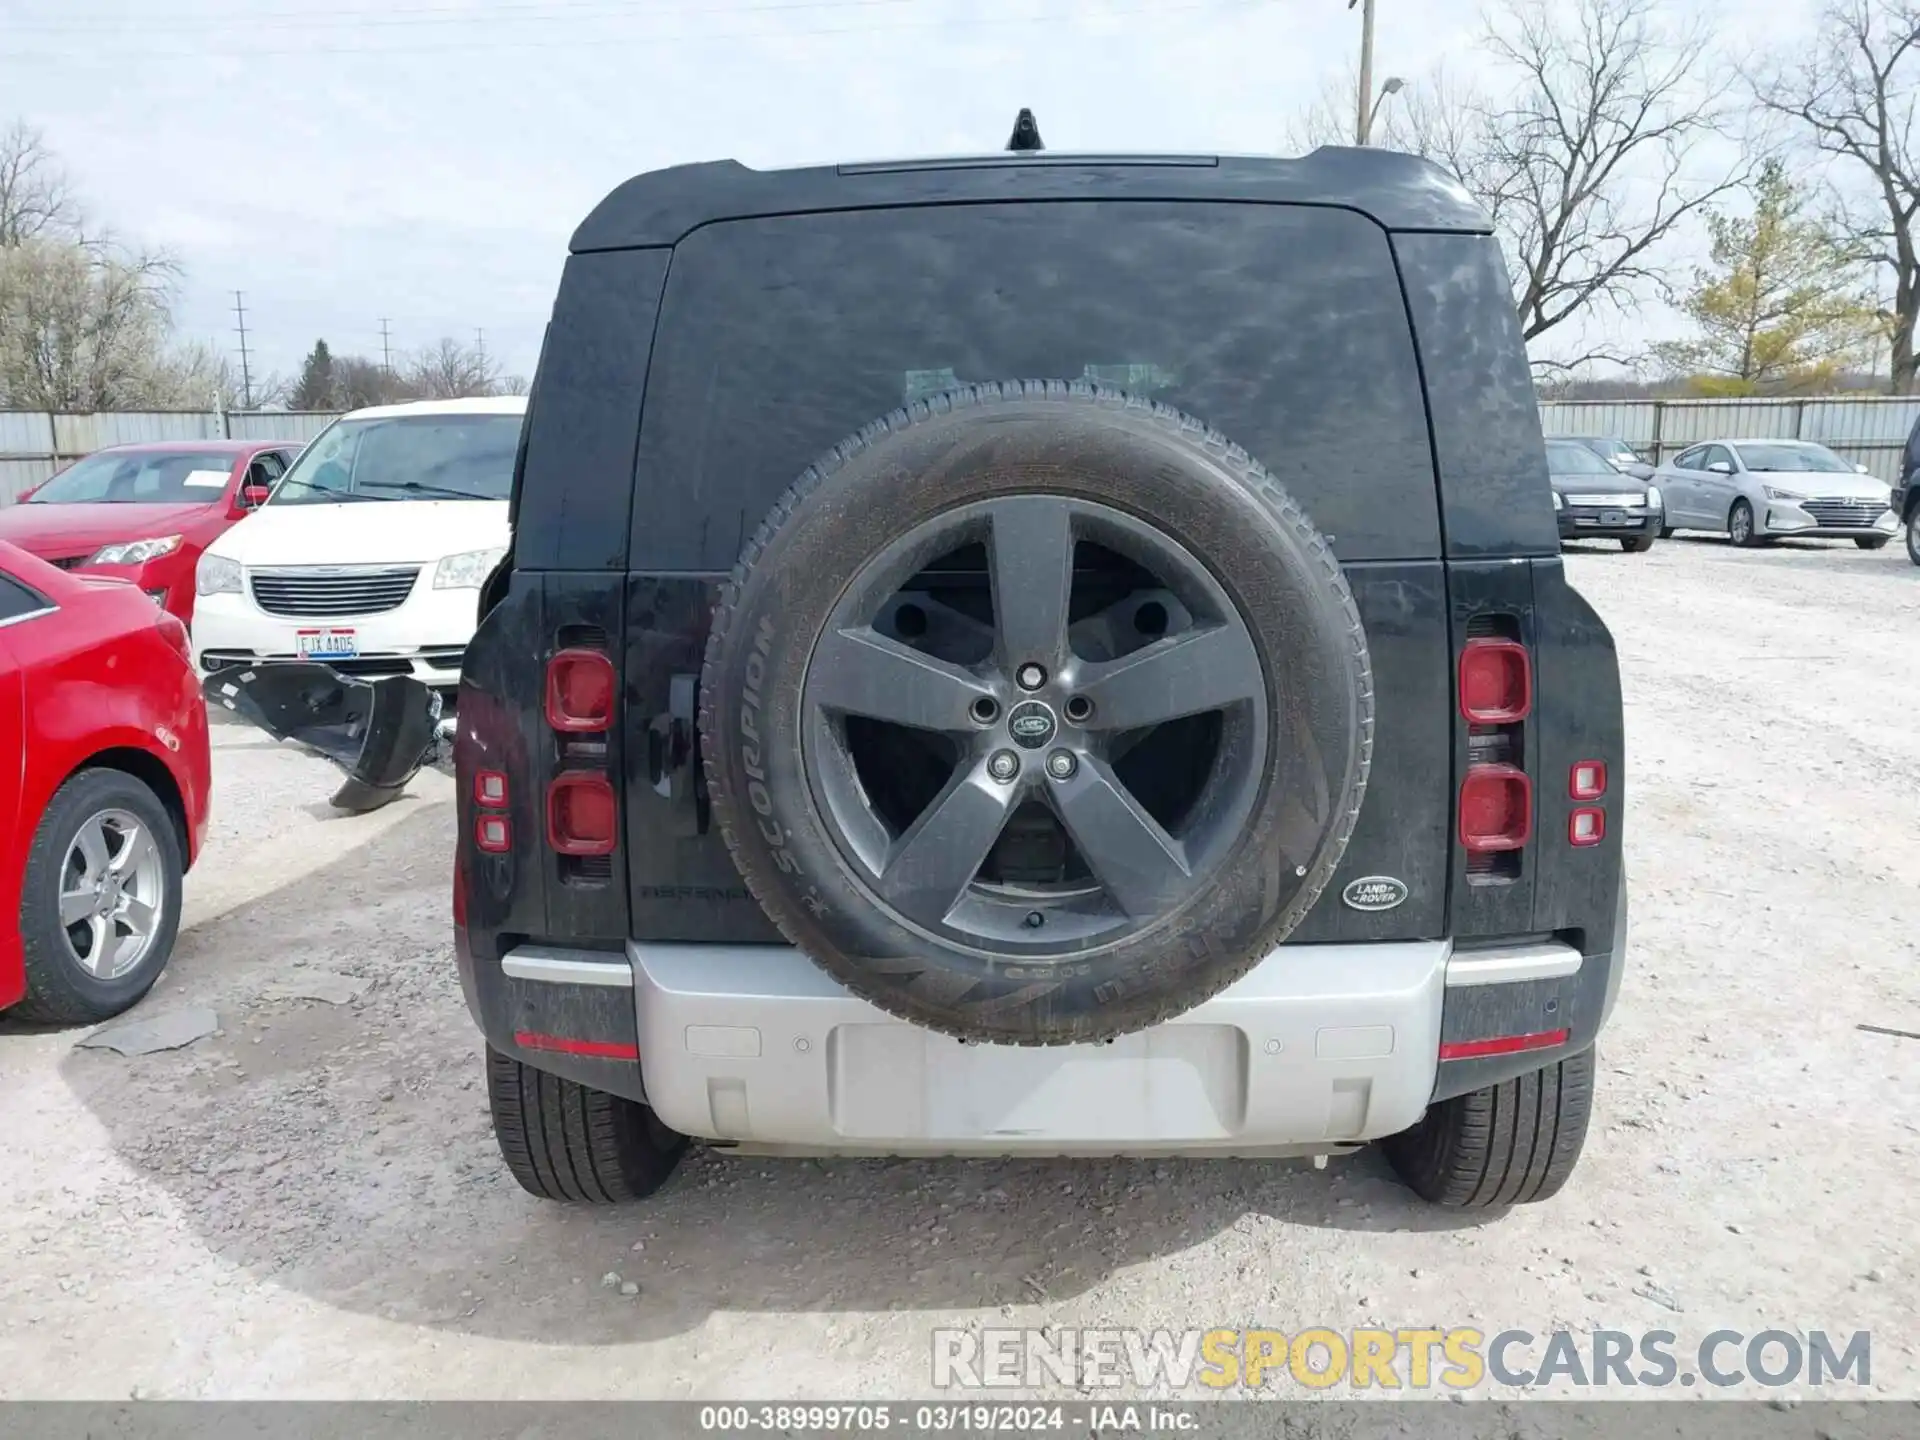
1666,532
61,988
930,941
1871,542
1508,1144
565,1141
1637,544
1913,533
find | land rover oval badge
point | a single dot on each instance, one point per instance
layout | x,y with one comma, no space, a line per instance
1374,892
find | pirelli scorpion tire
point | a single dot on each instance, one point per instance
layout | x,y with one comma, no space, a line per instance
1036,713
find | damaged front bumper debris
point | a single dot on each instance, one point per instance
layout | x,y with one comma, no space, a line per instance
380,731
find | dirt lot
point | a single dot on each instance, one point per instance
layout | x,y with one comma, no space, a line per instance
309,1202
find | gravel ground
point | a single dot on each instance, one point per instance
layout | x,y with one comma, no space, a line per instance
309,1202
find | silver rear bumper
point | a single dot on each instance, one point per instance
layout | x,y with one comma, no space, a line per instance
1319,1048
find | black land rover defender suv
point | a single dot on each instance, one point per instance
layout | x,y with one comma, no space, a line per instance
1038,655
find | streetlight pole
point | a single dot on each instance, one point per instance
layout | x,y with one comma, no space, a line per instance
1392,85
1363,121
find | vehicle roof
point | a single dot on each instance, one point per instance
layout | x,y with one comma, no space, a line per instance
197,447
1582,439
1759,440
472,405
1397,191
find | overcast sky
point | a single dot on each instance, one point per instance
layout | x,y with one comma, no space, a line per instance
425,160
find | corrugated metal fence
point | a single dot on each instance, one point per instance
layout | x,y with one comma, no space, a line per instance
34,444
1867,430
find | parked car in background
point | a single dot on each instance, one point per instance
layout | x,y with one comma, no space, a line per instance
145,512
1754,491
1592,500
1616,452
104,783
370,555
1906,494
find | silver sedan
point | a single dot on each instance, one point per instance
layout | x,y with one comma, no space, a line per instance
1754,491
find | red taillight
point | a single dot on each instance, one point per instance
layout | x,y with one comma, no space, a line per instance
1587,826
579,691
1505,1045
1587,780
581,814
490,788
493,834
1496,809
1496,682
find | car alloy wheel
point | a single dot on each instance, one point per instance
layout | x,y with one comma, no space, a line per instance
1740,523
112,894
1035,711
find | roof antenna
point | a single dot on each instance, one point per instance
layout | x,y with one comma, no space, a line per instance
1026,134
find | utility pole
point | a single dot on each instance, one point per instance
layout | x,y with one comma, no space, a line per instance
1363,122
386,347
246,370
480,346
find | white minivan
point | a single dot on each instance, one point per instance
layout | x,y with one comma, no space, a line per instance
371,551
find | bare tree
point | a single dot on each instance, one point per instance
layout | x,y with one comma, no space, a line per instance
449,370
35,199
1434,117
1851,95
82,330
1581,145
1589,167
359,382
196,375
85,323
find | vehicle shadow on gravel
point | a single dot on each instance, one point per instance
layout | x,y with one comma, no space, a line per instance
1802,554
342,1151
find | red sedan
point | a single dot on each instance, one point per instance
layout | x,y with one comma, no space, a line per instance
145,512
104,782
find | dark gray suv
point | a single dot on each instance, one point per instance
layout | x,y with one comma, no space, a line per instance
1039,655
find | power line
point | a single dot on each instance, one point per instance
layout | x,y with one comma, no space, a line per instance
509,12
1150,11
246,372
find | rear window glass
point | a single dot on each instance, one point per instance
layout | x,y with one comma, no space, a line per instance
1282,327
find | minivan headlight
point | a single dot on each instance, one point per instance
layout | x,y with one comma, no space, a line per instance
1653,497
468,570
1557,502
217,575
136,552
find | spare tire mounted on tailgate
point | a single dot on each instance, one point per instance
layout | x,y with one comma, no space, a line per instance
1036,713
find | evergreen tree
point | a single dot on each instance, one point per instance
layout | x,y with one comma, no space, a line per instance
315,389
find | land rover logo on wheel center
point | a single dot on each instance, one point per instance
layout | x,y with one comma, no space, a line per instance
1031,725
1374,892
